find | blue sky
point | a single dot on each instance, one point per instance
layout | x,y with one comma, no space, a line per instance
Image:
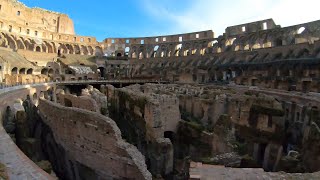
138,18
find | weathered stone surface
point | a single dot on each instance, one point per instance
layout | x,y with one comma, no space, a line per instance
94,141
204,171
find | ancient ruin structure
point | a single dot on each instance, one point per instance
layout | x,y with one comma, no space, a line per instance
188,106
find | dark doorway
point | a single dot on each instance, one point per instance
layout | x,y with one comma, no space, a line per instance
101,71
262,149
169,135
67,103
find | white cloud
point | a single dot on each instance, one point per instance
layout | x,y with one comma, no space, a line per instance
217,15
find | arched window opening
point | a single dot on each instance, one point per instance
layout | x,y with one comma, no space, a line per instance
301,30
44,71
141,55
22,71
14,70
156,48
126,51
29,71
101,69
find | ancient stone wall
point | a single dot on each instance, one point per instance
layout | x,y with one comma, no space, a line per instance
18,165
147,121
94,141
81,102
20,17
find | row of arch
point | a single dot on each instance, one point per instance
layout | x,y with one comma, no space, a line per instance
30,71
19,42
168,50
265,39
15,70
242,42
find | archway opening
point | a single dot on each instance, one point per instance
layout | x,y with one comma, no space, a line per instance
38,49
14,70
22,71
30,71
44,71
101,69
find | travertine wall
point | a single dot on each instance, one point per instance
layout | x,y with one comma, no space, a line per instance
18,165
17,15
82,102
94,141
144,120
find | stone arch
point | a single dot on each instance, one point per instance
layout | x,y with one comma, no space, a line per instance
50,48
229,42
178,48
44,48
54,47
3,40
126,51
14,70
90,50
44,71
20,44
256,46
141,56
301,30
28,44
134,55
70,49
62,49
38,49
12,44
22,71
98,51
163,52
77,49
155,51
84,50
30,71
